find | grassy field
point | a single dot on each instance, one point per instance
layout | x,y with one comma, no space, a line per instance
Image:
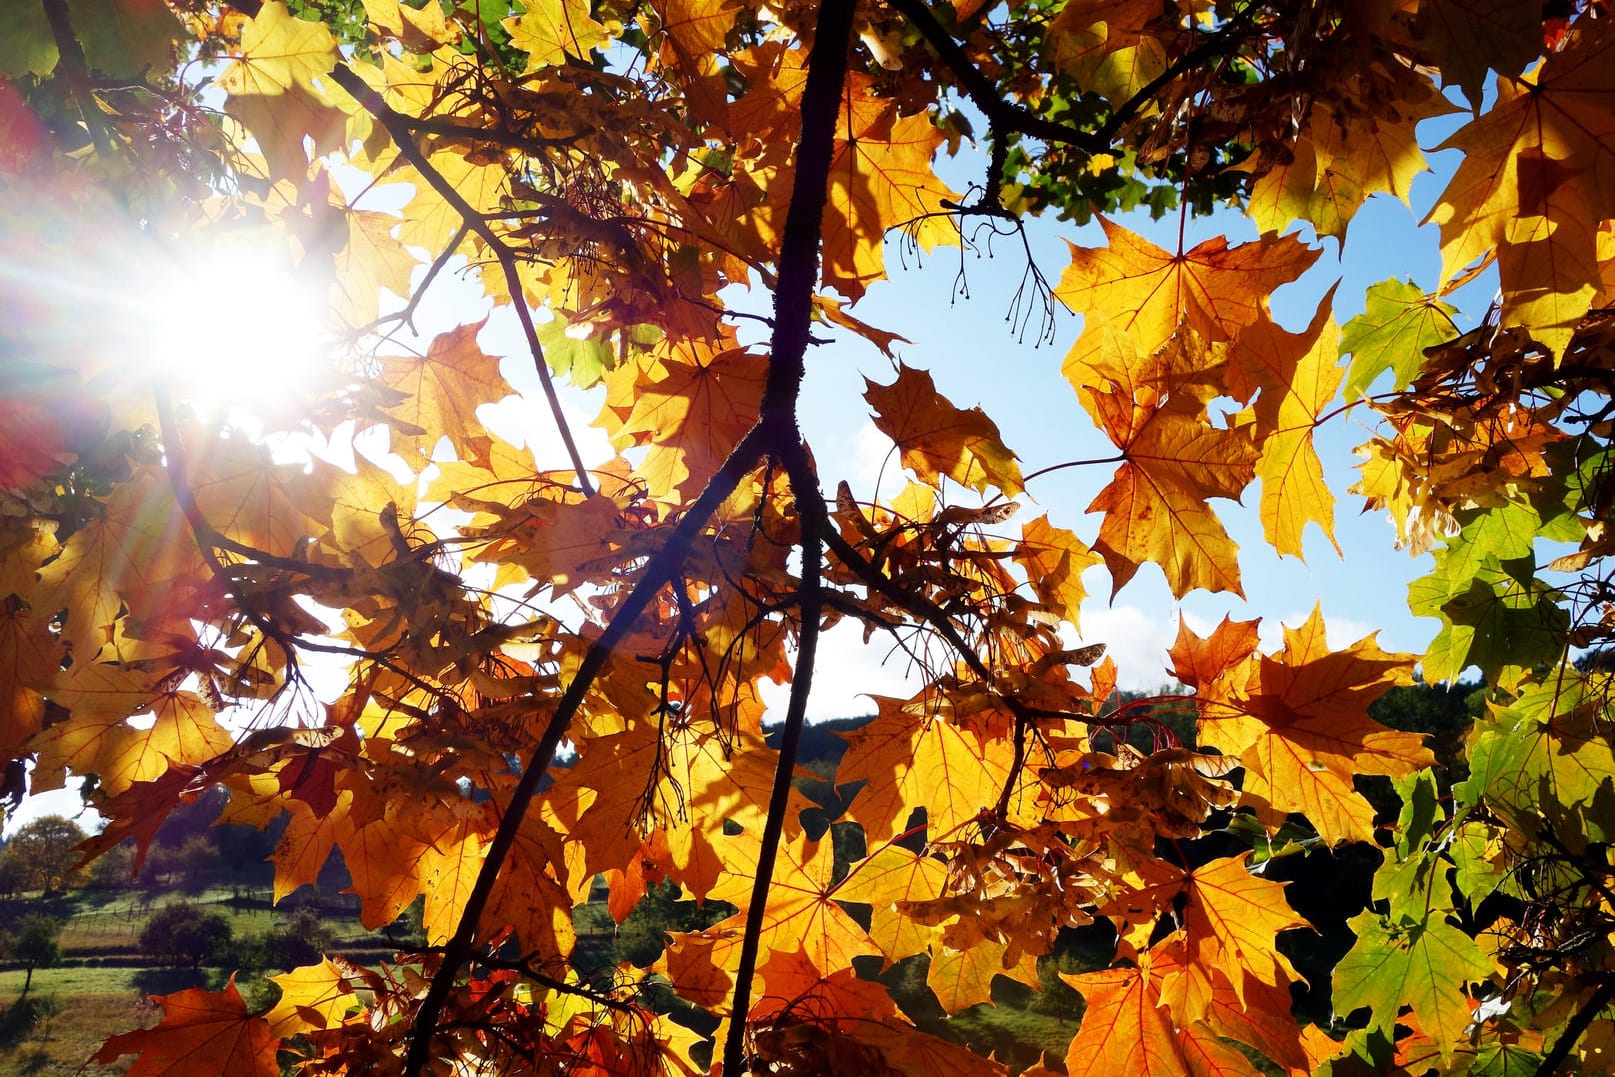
64,1018
98,988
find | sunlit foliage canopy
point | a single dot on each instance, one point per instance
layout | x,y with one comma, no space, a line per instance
547,670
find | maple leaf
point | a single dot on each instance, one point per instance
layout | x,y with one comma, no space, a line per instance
1540,756
1200,663
880,175
1474,37
311,997
1341,156
1298,375
202,1033
1528,187
691,402
552,30
1114,49
1300,725
1424,964
935,438
1147,292
1126,1029
793,984
893,882
1231,920
1054,559
953,773
961,978
1155,505
442,391
615,182
421,29
279,53
1398,323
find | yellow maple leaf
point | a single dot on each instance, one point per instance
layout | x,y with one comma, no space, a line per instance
1533,185
280,52
1299,374
551,30
1147,292
311,997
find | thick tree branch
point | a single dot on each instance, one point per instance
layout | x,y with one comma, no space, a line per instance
804,485
1003,116
1578,1024
793,312
398,127
660,570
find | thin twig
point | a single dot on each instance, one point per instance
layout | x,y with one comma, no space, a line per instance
398,126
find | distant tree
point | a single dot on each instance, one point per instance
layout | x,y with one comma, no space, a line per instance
196,860
13,878
47,852
302,940
35,945
157,871
185,933
115,868
192,818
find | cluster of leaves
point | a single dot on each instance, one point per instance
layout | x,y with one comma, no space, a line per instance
620,170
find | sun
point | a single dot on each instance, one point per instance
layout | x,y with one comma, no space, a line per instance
229,326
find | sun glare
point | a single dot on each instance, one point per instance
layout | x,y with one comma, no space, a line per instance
230,329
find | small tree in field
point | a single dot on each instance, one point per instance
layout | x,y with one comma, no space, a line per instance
302,939
34,945
185,933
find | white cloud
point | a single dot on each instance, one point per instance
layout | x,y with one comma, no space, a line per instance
871,463
1136,640
847,672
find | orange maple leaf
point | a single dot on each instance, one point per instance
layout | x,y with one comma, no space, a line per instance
202,1034
1127,1029
936,438
1147,292
1299,723
1155,505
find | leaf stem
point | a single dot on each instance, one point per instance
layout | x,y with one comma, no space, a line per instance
1040,472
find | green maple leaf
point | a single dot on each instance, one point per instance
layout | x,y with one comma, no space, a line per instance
1398,324
1543,760
1424,964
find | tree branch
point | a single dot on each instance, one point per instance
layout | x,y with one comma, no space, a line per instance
1578,1024
659,571
1003,116
804,486
793,312
398,127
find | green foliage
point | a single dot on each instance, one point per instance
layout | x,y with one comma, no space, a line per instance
46,852
34,945
186,933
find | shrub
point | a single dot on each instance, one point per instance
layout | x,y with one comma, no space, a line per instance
186,933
